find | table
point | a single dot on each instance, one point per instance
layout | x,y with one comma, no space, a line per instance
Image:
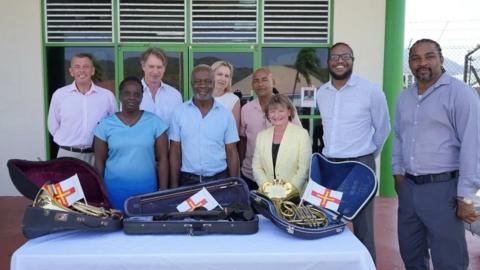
270,248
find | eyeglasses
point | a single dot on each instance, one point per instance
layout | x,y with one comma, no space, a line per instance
344,57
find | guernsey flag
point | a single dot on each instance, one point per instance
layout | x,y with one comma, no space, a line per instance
68,191
321,196
202,198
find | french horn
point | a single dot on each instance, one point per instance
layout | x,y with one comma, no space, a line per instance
46,200
282,194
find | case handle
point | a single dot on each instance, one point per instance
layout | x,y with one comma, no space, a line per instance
197,229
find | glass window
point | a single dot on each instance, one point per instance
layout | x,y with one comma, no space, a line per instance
315,129
58,63
297,68
173,73
243,68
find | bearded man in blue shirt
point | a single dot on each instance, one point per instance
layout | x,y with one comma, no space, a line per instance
203,136
435,162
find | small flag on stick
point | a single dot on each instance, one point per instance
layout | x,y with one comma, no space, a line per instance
321,196
202,198
68,191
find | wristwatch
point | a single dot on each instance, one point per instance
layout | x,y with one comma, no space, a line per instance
465,200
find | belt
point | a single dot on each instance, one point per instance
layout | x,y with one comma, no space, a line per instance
77,150
348,158
432,178
187,178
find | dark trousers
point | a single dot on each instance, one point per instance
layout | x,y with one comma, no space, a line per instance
188,179
252,185
363,222
427,220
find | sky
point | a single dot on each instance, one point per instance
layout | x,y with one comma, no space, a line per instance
451,23
454,24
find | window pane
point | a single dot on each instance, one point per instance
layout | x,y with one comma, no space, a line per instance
173,73
294,68
315,129
243,68
58,63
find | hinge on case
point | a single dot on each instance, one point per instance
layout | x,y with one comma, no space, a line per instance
290,229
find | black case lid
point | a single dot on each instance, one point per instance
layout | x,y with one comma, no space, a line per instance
225,192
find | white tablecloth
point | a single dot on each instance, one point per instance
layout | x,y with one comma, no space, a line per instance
270,248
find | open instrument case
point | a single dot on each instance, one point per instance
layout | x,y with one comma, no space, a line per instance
156,213
354,179
29,176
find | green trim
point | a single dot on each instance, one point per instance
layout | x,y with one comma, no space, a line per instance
260,14
331,13
115,22
116,40
188,22
48,154
196,48
392,81
78,44
295,45
187,52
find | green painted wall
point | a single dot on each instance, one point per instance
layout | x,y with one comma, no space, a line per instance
392,81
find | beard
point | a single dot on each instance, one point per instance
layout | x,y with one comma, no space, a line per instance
423,76
343,76
203,97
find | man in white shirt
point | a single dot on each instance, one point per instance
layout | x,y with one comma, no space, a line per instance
75,110
158,97
356,124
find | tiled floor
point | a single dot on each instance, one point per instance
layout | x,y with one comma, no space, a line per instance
11,209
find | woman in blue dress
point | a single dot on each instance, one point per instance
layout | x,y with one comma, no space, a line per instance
131,149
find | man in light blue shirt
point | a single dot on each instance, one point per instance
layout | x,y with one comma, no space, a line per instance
435,162
356,124
158,97
203,136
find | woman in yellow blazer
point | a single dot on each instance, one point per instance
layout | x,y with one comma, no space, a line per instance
283,150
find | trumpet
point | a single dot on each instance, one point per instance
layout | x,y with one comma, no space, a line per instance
282,194
46,200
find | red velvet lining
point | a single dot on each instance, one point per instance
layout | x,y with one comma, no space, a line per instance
39,172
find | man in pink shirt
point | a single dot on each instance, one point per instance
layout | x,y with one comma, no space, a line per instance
253,120
75,110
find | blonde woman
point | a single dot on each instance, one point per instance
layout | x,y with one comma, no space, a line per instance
283,150
223,73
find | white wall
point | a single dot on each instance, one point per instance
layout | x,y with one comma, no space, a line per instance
21,102
361,24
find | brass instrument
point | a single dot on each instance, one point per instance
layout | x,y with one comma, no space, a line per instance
282,193
46,200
